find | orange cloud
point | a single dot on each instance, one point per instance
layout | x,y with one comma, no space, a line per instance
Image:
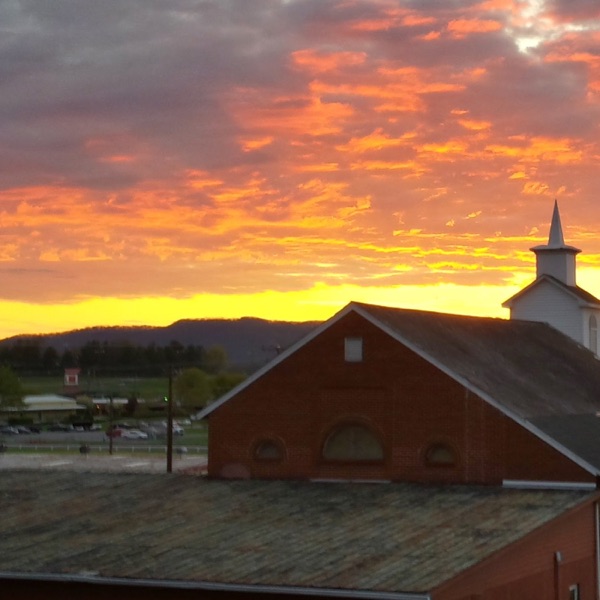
320,62
560,151
448,147
306,116
256,143
374,141
390,18
461,28
475,125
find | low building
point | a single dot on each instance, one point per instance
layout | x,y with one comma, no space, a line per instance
44,408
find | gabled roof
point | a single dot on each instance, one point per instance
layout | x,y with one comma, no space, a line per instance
584,298
525,369
380,541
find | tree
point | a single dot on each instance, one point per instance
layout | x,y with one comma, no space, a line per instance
215,359
50,359
11,392
223,382
192,388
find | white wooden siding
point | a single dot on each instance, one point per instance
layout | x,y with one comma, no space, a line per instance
547,303
586,313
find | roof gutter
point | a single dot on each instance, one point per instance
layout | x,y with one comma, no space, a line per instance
522,484
94,579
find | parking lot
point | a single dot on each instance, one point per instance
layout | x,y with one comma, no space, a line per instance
101,462
63,450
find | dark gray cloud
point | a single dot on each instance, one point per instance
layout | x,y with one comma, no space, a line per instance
75,71
238,139
568,10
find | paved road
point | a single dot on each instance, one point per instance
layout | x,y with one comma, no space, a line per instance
105,462
95,439
70,437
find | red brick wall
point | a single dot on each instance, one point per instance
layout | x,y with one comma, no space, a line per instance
526,569
407,402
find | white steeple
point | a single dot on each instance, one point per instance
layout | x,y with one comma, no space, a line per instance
556,258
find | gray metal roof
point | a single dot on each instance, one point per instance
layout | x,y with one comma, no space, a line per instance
529,368
579,433
367,537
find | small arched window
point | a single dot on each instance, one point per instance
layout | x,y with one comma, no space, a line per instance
440,455
268,450
593,324
352,442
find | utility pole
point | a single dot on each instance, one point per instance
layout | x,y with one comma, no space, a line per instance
110,425
170,423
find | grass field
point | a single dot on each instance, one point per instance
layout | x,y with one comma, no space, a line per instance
149,388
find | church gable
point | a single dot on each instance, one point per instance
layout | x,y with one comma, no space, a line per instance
546,300
330,411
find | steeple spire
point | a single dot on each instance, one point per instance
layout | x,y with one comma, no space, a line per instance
556,258
556,239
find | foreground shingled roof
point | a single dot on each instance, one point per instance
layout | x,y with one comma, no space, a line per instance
371,537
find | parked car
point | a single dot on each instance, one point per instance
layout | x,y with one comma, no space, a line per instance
60,427
8,430
152,432
134,434
22,429
177,429
115,432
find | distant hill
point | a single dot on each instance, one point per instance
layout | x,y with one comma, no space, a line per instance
249,342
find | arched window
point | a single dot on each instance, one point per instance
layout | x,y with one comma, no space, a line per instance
593,334
268,450
352,442
440,455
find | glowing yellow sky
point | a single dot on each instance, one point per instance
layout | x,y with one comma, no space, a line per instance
281,159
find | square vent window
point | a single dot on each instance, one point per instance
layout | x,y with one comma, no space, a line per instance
353,349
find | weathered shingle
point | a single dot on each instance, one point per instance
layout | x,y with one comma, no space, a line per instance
376,537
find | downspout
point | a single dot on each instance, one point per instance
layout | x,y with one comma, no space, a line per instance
597,505
557,561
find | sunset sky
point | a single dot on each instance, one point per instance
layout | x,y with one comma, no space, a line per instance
170,159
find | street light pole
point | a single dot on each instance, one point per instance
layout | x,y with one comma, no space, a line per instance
170,423
110,425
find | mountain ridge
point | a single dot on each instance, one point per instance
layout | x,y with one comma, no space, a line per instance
248,341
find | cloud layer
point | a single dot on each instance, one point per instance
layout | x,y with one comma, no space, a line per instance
152,148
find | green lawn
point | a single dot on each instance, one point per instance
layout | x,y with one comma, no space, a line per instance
149,388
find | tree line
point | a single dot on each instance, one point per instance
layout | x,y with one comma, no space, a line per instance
30,357
200,375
